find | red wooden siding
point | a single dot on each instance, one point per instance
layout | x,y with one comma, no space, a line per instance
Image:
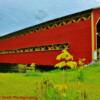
78,35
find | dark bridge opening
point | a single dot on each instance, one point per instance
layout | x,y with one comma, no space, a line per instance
98,40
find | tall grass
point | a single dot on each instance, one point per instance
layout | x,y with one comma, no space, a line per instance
75,84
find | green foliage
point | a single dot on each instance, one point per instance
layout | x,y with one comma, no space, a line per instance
79,84
73,94
21,67
30,73
32,67
26,68
45,91
48,90
80,76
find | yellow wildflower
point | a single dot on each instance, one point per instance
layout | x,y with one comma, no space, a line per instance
61,87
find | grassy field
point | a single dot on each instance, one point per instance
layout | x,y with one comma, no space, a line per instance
78,84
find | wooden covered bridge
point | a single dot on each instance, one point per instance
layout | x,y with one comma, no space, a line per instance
40,44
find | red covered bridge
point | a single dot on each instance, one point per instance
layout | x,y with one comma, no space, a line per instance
41,43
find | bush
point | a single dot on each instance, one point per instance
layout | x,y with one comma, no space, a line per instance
67,61
21,67
31,68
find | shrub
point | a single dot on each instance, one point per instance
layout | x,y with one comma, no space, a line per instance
32,67
65,55
61,64
67,60
22,67
71,64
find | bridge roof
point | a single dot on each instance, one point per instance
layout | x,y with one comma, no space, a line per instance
36,27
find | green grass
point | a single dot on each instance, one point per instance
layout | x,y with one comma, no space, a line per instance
81,84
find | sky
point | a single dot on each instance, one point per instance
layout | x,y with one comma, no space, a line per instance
19,14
